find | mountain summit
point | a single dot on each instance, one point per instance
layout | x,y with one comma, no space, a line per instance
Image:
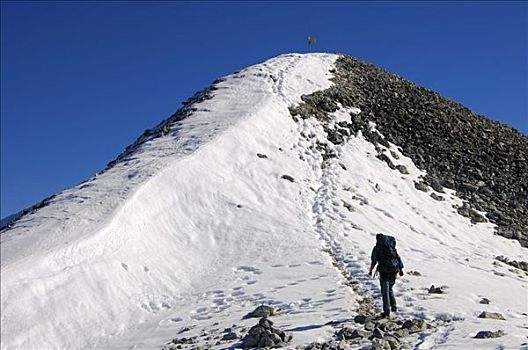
268,188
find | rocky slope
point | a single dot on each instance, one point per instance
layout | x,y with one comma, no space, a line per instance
486,162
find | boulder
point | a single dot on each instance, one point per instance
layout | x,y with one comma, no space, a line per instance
360,319
394,155
464,210
378,333
334,136
402,169
414,326
489,334
422,186
435,184
384,158
476,217
407,324
350,333
435,290
494,215
492,315
437,197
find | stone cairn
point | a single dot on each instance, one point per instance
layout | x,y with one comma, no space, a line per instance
263,334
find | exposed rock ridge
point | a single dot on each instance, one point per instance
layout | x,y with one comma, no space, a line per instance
485,161
167,125
163,128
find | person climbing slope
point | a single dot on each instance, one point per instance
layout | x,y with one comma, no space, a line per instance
385,255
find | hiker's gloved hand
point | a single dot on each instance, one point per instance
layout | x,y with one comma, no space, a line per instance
401,272
370,272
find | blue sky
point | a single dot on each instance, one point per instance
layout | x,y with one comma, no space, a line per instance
81,80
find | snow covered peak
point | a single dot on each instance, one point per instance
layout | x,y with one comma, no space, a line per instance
213,111
66,249
234,202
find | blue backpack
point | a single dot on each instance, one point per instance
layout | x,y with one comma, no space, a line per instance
388,258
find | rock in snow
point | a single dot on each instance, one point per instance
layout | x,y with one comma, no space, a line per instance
261,311
492,315
436,290
489,334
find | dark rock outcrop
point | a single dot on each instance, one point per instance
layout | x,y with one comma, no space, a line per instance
8,222
486,162
167,126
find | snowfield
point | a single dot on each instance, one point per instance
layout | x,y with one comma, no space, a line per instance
195,230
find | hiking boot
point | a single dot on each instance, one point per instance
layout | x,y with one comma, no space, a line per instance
385,314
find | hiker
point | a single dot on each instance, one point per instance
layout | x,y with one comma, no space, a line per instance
389,264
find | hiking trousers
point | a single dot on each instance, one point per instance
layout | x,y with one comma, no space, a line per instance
386,283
